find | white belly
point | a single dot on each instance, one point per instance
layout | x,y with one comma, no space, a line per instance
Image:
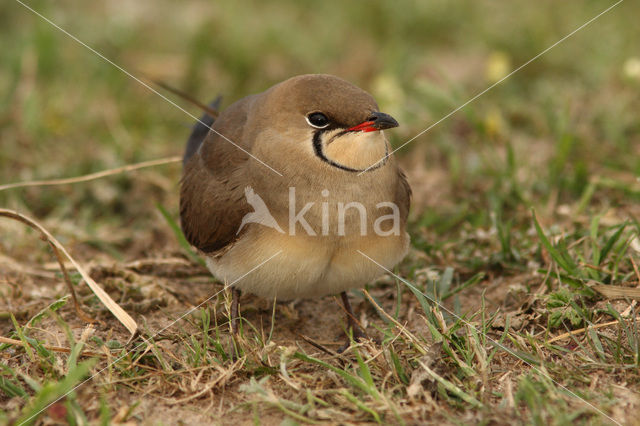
269,264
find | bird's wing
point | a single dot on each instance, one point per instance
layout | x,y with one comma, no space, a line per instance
212,199
403,196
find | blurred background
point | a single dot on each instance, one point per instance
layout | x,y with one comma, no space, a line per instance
554,134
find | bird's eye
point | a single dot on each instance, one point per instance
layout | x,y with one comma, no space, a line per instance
317,120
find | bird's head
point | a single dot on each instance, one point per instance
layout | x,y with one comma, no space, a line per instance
327,119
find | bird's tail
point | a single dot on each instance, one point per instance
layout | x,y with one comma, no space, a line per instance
200,130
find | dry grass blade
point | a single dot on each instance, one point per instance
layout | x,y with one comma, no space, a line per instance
616,291
205,108
635,268
8,341
583,330
224,375
81,313
93,176
115,309
401,328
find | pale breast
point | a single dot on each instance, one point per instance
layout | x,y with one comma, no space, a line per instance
271,264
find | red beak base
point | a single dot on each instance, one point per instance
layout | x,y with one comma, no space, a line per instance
366,126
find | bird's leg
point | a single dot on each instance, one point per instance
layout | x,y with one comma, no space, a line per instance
235,300
356,330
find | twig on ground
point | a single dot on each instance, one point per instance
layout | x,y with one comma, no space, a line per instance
317,345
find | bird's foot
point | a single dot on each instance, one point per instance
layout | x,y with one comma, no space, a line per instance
357,335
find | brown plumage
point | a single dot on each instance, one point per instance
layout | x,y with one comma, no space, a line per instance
321,158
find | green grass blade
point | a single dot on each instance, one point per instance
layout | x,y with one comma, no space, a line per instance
611,242
469,283
52,391
564,262
360,405
449,386
353,380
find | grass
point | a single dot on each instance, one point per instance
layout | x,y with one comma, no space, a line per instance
524,203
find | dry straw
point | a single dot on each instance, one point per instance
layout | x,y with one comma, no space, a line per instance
92,176
115,309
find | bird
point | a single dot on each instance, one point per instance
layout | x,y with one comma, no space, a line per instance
310,155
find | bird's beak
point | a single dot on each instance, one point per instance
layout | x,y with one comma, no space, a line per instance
376,121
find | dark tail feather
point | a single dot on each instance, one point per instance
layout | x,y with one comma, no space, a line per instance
200,131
